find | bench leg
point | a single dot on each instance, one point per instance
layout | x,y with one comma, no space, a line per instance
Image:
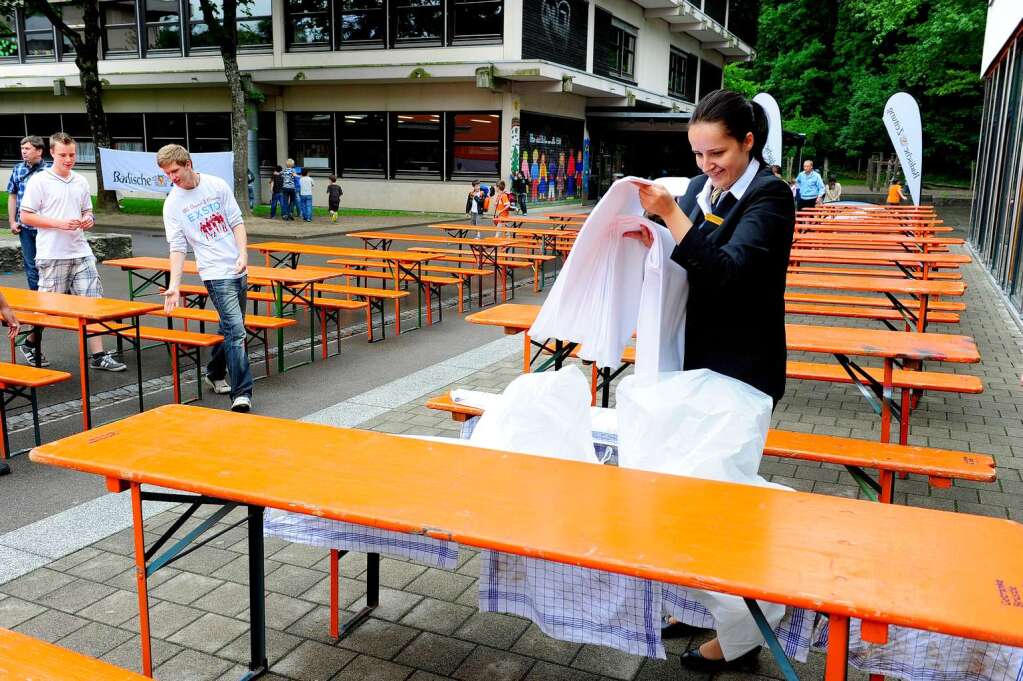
141,579
397,318
5,445
372,593
461,294
594,378
323,331
176,373
837,665
429,305
257,597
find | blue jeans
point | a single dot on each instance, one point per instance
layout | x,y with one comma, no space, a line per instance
276,203
27,235
252,197
230,357
290,200
305,207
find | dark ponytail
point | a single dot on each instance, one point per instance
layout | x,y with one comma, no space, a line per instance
737,115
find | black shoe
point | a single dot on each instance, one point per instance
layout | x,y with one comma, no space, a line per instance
692,659
4,468
679,630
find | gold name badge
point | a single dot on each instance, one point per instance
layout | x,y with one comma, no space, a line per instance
713,219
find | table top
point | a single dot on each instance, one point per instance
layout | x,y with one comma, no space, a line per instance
845,282
881,562
898,239
76,307
559,233
285,275
515,318
858,256
337,251
23,658
869,228
490,242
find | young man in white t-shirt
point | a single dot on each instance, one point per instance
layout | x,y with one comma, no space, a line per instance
201,213
58,203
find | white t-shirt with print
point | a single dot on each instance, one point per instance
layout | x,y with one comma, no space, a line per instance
204,218
53,196
305,184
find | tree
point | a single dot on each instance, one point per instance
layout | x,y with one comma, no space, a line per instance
86,47
221,21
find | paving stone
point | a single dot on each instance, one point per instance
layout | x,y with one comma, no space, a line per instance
379,638
14,611
545,671
420,675
228,599
95,639
209,633
206,561
72,559
103,567
114,609
535,643
292,580
393,606
313,661
398,574
51,625
127,580
433,653
489,664
238,570
75,596
281,611
315,624
350,590
129,654
165,619
36,584
437,616
301,555
278,645
192,665
441,584
365,668
608,662
185,587
493,629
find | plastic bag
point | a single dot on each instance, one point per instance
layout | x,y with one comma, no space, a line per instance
546,414
695,423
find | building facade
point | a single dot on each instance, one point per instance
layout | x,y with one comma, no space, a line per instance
996,219
405,100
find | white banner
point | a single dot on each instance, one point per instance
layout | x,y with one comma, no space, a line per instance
902,119
772,149
136,171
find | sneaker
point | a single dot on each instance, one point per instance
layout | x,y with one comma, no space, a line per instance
242,404
30,353
219,385
106,362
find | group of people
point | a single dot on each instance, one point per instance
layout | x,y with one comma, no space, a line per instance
50,209
809,189
480,200
291,193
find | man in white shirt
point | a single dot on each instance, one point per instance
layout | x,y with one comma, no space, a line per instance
58,203
201,212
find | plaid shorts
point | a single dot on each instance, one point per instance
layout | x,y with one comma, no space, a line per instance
77,276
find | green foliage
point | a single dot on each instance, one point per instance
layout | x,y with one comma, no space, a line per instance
832,64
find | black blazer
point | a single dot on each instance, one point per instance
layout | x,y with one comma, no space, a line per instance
735,318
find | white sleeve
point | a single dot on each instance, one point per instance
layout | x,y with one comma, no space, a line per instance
172,226
86,195
231,210
32,199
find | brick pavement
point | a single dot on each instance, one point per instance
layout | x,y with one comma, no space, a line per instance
427,626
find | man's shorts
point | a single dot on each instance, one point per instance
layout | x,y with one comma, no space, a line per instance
77,276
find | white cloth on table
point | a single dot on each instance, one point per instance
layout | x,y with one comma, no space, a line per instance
611,285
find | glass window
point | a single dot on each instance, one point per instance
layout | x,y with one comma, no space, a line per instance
44,125
311,140
307,24
255,25
682,75
8,37
475,19
363,144
416,145
164,129
127,132
74,16
120,32
716,10
38,37
417,21
209,132
361,22
614,47
163,25
474,145
267,139
77,125
198,32
710,77
12,129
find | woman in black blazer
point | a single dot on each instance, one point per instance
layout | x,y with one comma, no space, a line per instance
733,230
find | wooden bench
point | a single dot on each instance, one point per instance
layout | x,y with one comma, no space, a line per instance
374,298
941,466
354,267
186,344
508,262
257,327
432,283
883,314
867,301
871,272
19,382
23,658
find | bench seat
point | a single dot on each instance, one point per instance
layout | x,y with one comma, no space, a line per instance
863,312
828,299
867,272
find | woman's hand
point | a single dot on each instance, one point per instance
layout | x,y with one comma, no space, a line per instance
656,200
643,236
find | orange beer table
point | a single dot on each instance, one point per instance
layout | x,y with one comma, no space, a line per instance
297,283
23,658
505,502
95,317
910,349
921,263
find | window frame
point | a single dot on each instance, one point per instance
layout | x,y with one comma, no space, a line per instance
341,138
290,14
396,173
397,42
145,26
23,34
688,69
385,27
614,38
191,21
450,143
331,141
105,27
16,159
454,38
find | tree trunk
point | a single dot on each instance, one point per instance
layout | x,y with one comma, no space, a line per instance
239,132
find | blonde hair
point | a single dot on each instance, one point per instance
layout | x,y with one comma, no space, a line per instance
60,138
172,153
290,163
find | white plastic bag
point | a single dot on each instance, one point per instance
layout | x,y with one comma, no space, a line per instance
695,423
546,414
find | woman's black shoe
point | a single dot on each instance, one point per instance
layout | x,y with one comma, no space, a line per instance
679,630
692,659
